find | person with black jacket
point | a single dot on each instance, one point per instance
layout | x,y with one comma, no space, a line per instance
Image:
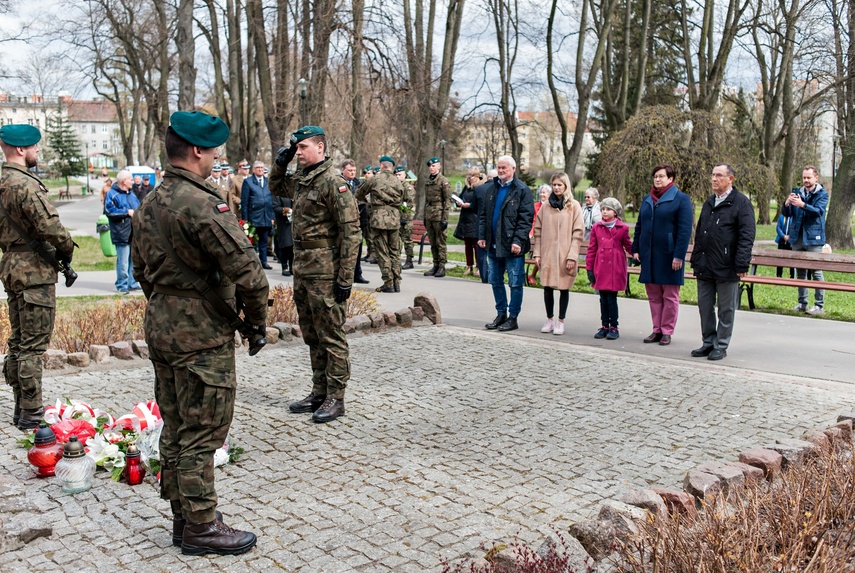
724,237
503,226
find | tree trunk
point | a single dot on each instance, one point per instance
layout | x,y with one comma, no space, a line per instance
255,20
357,128
236,146
842,202
186,48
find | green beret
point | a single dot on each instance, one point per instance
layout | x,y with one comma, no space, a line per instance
20,135
305,133
199,129
367,169
376,170
399,168
432,160
387,158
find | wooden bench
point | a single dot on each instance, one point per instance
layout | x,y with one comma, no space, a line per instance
420,236
66,193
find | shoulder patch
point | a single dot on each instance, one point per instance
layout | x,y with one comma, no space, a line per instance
342,189
221,207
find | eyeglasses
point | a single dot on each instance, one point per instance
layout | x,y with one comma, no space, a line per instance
660,177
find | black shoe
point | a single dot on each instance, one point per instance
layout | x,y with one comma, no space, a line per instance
397,286
331,409
372,260
385,288
702,351
361,280
308,404
266,267
497,322
16,412
440,272
178,523
654,337
286,273
510,324
30,418
365,258
408,265
215,537
602,332
717,354
432,271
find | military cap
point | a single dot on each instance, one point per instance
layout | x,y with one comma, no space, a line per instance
305,133
387,158
199,128
376,170
400,168
224,166
216,167
432,160
20,135
367,169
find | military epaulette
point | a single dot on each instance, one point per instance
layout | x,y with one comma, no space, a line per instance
221,207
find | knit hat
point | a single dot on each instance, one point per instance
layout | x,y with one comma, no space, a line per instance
613,204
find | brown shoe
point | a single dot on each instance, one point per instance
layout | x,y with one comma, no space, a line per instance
654,337
331,409
216,537
666,340
308,404
30,418
178,523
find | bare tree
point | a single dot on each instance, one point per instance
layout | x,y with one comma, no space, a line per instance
186,48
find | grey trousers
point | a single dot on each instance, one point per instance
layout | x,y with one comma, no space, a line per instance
725,296
818,294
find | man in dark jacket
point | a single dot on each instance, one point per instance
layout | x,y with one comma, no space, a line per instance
503,226
721,256
256,206
348,171
119,205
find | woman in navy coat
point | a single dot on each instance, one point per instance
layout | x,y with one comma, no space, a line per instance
662,236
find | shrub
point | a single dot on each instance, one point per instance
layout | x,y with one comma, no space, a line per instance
284,310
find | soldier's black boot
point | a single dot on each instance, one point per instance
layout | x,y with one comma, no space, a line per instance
30,418
215,537
16,413
331,409
432,272
178,523
440,272
408,265
308,404
387,287
397,286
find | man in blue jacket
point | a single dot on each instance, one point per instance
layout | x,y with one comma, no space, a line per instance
119,205
503,227
807,206
256,206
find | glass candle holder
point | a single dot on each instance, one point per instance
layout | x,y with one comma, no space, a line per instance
134,472
75,470
46,452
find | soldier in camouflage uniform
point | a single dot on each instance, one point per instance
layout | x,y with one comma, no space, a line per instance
29,280
437,206
406,216
326,233
385,193
192,344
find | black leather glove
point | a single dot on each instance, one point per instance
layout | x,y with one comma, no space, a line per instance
443,225
341,293
285,155
591,278
64,259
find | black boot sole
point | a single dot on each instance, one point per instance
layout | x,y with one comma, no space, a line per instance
195,550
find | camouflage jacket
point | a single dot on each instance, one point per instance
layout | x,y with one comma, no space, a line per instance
25,199
323,208
409,203
385,195
207,237
437,198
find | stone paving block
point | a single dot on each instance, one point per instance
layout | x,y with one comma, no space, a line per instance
794,451
817,437
622,516
767,460
79,359
845,426
54,359
646,499
750,474
272,335
390,318
361,323
377,319
731,477
140,348
429,305
296,331
678,502
418,314
595,536
121,350
284,329
404,317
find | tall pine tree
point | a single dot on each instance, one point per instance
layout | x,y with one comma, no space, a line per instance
65,156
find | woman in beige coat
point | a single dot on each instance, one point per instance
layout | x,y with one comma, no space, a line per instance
558,232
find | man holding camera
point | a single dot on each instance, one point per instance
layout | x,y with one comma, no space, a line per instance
194,262
29,279
325,227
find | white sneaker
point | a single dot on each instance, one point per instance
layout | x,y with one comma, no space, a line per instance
547,326
800,308
559,328
815,311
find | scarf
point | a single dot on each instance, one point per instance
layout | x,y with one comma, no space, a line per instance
556,201
656,194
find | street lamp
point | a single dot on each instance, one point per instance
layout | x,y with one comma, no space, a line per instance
442,154
303,87
86,143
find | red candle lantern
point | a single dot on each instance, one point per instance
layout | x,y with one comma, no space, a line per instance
46,452
134,471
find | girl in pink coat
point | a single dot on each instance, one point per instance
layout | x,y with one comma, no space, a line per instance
607,250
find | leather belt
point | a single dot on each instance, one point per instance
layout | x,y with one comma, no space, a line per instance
314,244
18,249
223,292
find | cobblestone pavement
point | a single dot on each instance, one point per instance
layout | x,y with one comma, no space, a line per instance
452,438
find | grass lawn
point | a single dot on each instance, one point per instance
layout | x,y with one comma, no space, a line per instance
88,257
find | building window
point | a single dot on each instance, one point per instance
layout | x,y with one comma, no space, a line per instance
103,129
93,129
30,121
104,144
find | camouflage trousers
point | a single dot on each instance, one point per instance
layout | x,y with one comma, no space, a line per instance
32,313
387,249
407,239
196,395
436,235
322,323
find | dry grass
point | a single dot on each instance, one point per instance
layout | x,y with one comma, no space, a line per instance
283,309
803,522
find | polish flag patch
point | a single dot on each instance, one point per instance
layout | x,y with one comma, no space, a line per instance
342,189
221,207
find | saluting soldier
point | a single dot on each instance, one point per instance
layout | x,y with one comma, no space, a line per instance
385,193
184,231
325,227
30,280
437,206
406,216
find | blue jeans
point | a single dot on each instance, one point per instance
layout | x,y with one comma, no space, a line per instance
818,294
515,267
124,269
